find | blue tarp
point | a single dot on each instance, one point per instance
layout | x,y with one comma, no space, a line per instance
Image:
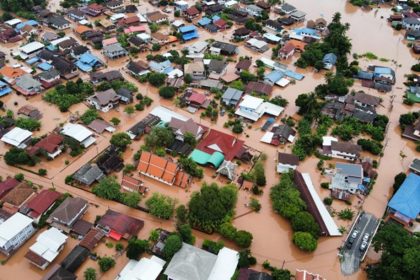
44,66
204,21
406,200
32,60
364,75
189,36
214,18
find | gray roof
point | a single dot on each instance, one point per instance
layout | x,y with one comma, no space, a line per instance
27,82
191,263
349,169
217,66
232,94
88,174
288,8
114,48
58,20
50,74
415,165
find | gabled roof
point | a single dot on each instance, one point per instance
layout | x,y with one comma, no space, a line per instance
41,202
105,97
18,195
12,227
258,87
68,209
48,144
88,174
407,199
7,185
75,258
288,159
186,126
217,141
122,224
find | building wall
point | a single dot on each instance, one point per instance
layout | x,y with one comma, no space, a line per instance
18,240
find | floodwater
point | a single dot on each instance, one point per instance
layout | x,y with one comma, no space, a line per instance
369,31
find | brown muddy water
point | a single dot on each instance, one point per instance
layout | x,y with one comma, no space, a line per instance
369,31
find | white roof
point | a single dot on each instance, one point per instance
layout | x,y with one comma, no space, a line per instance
326,217
175,73
272,109
272,37
181,2
178,23
230,3
115,17
59,40
16,136
225,265
12,226
143,36
251,102
166,114
145,269
33,46
256,43
48,244
76,131
13,22
84,22
267,137
326,140
141,17
283,82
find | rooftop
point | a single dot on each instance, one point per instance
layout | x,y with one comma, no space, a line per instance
407,199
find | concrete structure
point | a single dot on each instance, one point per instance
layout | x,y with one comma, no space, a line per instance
80,133
253,108
14,232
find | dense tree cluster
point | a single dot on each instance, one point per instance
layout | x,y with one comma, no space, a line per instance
109,188
120,140
191,167
89,116
136,247
241,238
16,156
172,245
161,206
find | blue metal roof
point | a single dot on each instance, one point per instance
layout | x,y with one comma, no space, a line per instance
32,60
364,75
83,67
188,28
330,58
44,66
306,30
88,58
274,76
189,36
4,89
294,75
215,17
204,21
382,70
406,200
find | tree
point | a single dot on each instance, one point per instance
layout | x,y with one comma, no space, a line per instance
181,214
304,241
16,156
42,172
129,110
191,167
398,180
185,232
346,214
161,206
159,137
188,78
136,247
156,79
90,274
19,177
281,274
120,140
407,119
155,47
173,244
106,263
89,116
131,199
247,77
167,92
190,139
115,121
108,188
28,124
243,238
259,174
303,221
246,259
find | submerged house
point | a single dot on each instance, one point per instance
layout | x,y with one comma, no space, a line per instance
14,232
344,150
348,177
253,108
68,213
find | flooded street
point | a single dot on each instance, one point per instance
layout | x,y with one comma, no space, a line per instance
369,32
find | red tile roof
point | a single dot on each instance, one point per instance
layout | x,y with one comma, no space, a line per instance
220,23
229,145
197,98
120,223
157,167
40,203
288,48
192,11
7,185
48,144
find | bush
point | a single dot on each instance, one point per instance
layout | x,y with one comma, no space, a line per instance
243,238
181,214
370,146
28,124
136,247
89,116
106,263
172,245
185,232
246,259
325,185
64,96
167,92
20,177
90,274
120,140
303,221
42,172
255,205
398,180
108,188
305,241
156,79
16,156
346,214
115,121
328,201
161,206
212,246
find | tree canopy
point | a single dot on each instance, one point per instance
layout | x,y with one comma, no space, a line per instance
136,247
172,245
304,241
108,188
161,206
120,140
159,137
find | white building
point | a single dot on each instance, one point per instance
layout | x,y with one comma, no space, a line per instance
286,162
14,232
31,49
17,137
47,247
345,150
80,133
347,177
253,108
145,269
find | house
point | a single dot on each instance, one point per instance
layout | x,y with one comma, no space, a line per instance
383,74
58,22
254,10
181,5
74,260
67,213
345,150
104,100
188,32
161,67
231,96
217,67
108,76
87,62
274,25
225,48
279,134
7,185
10,74
412,35
144,269
364,100
411,23
181,128
329,61
258,88
130,21
315,206
241,33
50,145
76,15
117,225
114,51
137,68
160,38
14,232
99,126
305,275
253,108
305,33
191,13
160,169
298,16
30,50
27,86
79,133
197,48
156,17
285,9
126,96
17,137
66,68
49,78
286,162
271,38
415,166
136,131
243,65
347,177
88,174
91,238
47,247
195,100
404,206
40,204
193,263
4,89
110,161
287,51
115,5
220,24
257,45
195,69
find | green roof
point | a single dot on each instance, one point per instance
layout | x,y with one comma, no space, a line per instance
203,158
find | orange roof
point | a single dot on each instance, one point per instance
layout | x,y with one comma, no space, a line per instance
11,73
157,167
305,275
182,179
172,39
298,44
144,162
80,29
